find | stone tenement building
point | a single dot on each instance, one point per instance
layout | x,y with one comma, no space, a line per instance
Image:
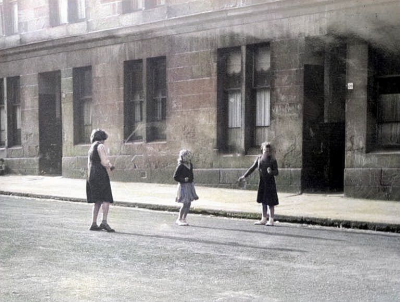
320,79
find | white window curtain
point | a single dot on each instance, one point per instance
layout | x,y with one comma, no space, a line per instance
81,9
137,4
234,109
263,108
1,19
14,13
63,11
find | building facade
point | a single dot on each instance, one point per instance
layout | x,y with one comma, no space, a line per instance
320,79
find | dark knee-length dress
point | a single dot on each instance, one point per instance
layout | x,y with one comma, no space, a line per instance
267,193
98,187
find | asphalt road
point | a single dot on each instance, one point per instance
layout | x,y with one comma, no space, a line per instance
47,253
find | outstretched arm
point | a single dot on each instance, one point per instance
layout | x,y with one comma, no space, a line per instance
250,170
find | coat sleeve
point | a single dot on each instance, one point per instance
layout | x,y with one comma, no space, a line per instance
252,168
103,156
274,168
178,175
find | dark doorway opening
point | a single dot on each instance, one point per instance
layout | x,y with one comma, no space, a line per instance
324,119
50,124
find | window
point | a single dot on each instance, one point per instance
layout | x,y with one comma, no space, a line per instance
157,93
388,107
153,3
66,11
384,101
82,89
10,112
145,100
129,6
13,111
10,9
261,92
243,97
134,100
1,18
3,119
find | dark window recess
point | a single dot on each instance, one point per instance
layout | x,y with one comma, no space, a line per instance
157,99
14,111
134,122
82,78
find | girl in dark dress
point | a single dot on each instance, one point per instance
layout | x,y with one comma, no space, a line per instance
98,188
267,194
186,191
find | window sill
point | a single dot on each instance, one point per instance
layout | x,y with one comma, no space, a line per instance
385,152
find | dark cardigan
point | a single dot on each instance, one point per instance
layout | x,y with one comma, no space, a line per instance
182,172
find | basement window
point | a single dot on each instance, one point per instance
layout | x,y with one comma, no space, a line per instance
388,112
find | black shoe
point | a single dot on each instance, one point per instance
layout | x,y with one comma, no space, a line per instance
95,227
105,226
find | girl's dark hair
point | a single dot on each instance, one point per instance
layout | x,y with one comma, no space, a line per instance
98,135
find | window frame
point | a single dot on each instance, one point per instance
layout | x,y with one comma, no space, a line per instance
11,18
387,117
3,115
81,101
156,84
13,108
134,86
67,12
153,101
232,138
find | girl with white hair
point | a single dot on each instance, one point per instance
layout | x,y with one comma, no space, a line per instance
186,191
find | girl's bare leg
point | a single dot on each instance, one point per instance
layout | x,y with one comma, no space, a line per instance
104,225
187,209
264,215
105,208
95,213
271,215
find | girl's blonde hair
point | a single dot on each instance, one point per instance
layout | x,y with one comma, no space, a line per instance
266,145
185,156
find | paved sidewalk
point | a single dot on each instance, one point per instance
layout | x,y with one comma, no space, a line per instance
322,209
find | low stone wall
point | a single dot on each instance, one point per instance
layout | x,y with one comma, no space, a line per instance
372,183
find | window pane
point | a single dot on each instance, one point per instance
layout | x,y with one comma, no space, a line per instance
2,92
63,11
138,111
389,134
234,109
2,126
134,100
159,105
389,108
233,69
18,117
82,89
263,107
1,19
81,9
158,99
262,65
14,13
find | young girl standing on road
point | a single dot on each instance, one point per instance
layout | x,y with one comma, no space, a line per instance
267,194
98,187
186,192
